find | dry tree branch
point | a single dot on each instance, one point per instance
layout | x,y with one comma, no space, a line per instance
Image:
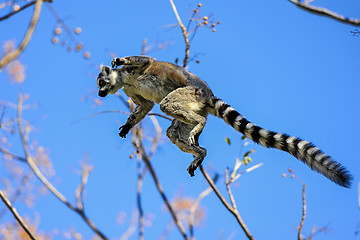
232,210
141,172
14,54
303,212
138,199
156,139
131,229
16,215
185,34
43,179
158,185
6,152
313,229
20,9
140,179
227,183
359,194
195,206
326,12
17,192
79,192
160,115
122,112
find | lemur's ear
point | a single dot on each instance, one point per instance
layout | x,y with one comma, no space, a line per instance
106,69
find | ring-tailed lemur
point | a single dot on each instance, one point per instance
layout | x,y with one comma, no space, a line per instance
188,99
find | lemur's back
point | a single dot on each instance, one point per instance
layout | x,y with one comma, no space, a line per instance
177,75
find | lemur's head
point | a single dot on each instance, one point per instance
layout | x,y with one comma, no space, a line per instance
106,81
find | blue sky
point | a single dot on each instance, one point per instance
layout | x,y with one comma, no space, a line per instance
282,68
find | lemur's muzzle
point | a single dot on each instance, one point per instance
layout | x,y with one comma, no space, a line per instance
102,93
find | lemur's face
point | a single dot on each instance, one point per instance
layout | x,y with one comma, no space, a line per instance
106,81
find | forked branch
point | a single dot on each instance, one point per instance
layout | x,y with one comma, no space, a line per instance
232,209
146,159
44,180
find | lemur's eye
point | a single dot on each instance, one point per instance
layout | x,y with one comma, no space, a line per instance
101,83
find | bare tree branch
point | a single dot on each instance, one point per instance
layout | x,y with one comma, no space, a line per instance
17,192
138,199
195,206
227,182
122,112
17,216
131,229
232,210
327,13
20,9
6,152
359,194
158,185
303,212
79,192
156,139
184,32
14,54
43,179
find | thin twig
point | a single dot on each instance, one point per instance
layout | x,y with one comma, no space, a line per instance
160,115
122,112
227,182
16,157
14,54
303,212
313,230
43,179
227,205
98,113
2,115
131,229
156,139
20,9
195,206
185,34
143,47
159,187
359,194
79,192
140,178
138,200
326,12
17,216
17,193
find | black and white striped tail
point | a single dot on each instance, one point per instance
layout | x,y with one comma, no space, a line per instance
301,149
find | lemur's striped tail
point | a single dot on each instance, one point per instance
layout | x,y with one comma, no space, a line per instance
301,149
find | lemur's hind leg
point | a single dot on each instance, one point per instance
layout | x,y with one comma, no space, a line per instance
187,106
132,60
178,133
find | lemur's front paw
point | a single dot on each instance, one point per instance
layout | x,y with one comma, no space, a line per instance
117,62
124,130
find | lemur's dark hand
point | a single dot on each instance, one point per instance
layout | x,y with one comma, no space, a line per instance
117,62
124,129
